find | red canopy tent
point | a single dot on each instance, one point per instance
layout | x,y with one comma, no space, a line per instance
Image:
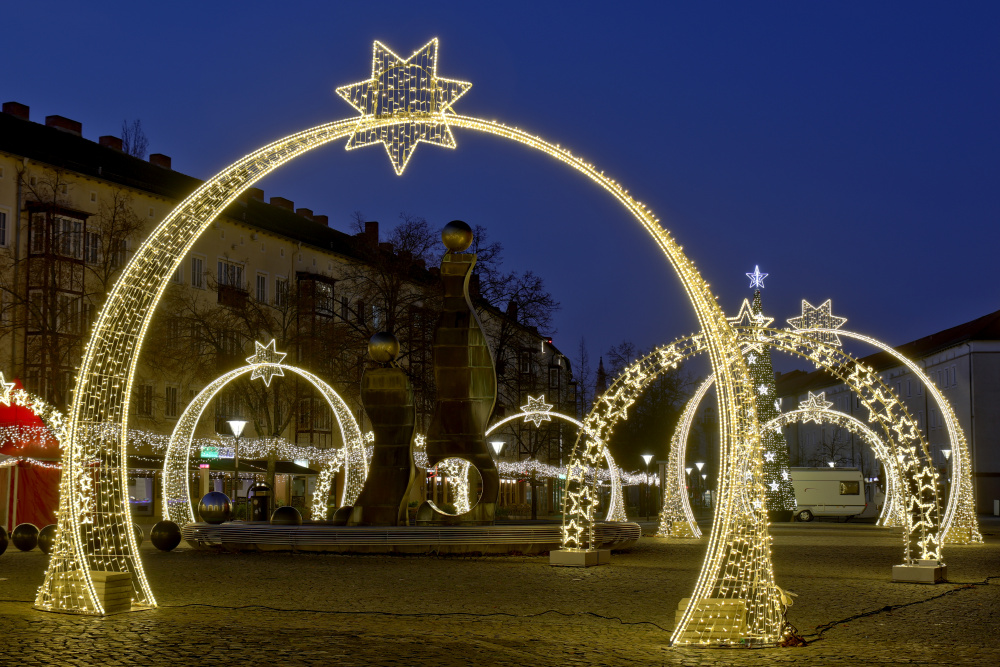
30,491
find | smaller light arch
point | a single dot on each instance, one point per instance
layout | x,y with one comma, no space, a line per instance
176,491
616,508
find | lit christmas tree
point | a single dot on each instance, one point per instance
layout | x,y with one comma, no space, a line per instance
777,481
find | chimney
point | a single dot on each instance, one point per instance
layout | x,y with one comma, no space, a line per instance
512,310
65,124
305,213
109,141
371,233
254,193
16,109
281,202
322,219
160,160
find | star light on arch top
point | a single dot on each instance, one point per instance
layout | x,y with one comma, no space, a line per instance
264,358
819,317
537,410
5,389
814,405
408,89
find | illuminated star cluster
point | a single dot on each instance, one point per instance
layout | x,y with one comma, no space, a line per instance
408,89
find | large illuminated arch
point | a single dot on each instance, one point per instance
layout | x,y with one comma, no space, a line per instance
93,486
616,508
176,490
961,526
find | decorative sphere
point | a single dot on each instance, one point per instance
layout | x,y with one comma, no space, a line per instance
3,539
165,535
457,236
137,531
215,507
24,536
286,516
47,538
383,347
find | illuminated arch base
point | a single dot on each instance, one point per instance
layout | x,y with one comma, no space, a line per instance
176,464
93,487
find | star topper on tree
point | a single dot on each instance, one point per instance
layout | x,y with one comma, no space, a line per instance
757,278
407,88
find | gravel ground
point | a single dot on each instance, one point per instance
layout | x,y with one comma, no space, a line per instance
307,609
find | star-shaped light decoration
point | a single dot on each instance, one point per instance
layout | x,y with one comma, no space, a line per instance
537,410
408,89
769,457
5,389
819,317
813,405
757,278
763,390
746,318
265,356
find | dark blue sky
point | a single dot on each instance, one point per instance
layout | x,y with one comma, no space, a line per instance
850,149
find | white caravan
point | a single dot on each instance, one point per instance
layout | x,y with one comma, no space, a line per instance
836,492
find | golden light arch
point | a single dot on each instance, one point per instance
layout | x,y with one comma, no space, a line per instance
176,490
93,489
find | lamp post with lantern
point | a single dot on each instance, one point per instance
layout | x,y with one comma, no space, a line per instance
236,426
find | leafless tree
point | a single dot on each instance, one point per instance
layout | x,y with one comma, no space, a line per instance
134,141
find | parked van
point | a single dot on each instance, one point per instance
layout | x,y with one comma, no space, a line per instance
836,492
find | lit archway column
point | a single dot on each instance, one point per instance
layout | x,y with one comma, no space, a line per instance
176,463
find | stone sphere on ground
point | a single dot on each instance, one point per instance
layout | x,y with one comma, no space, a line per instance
3,539
47,538
165,535
286,516
139,535
383,347
24,536
457,236
215,507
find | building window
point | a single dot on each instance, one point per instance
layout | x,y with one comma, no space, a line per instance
178,276
553,378
230,274
280,292
344,308
324,298
3,228
198,272
144,400
908,389
120,254
261,288
170,404
525,362
91,244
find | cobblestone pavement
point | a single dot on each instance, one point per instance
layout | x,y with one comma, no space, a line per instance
298,609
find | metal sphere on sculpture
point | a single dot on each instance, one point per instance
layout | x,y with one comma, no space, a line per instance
457,236
286,516
24,536
215,507
3,540
383,347
46,536
165,535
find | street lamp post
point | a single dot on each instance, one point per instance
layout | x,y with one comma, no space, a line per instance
236,426
647,458
701,490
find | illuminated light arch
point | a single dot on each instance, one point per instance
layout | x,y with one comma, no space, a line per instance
676,512
960,523
738,565
921,512
176,489
616,507
892,509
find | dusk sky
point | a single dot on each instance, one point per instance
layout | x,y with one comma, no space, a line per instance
849,149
